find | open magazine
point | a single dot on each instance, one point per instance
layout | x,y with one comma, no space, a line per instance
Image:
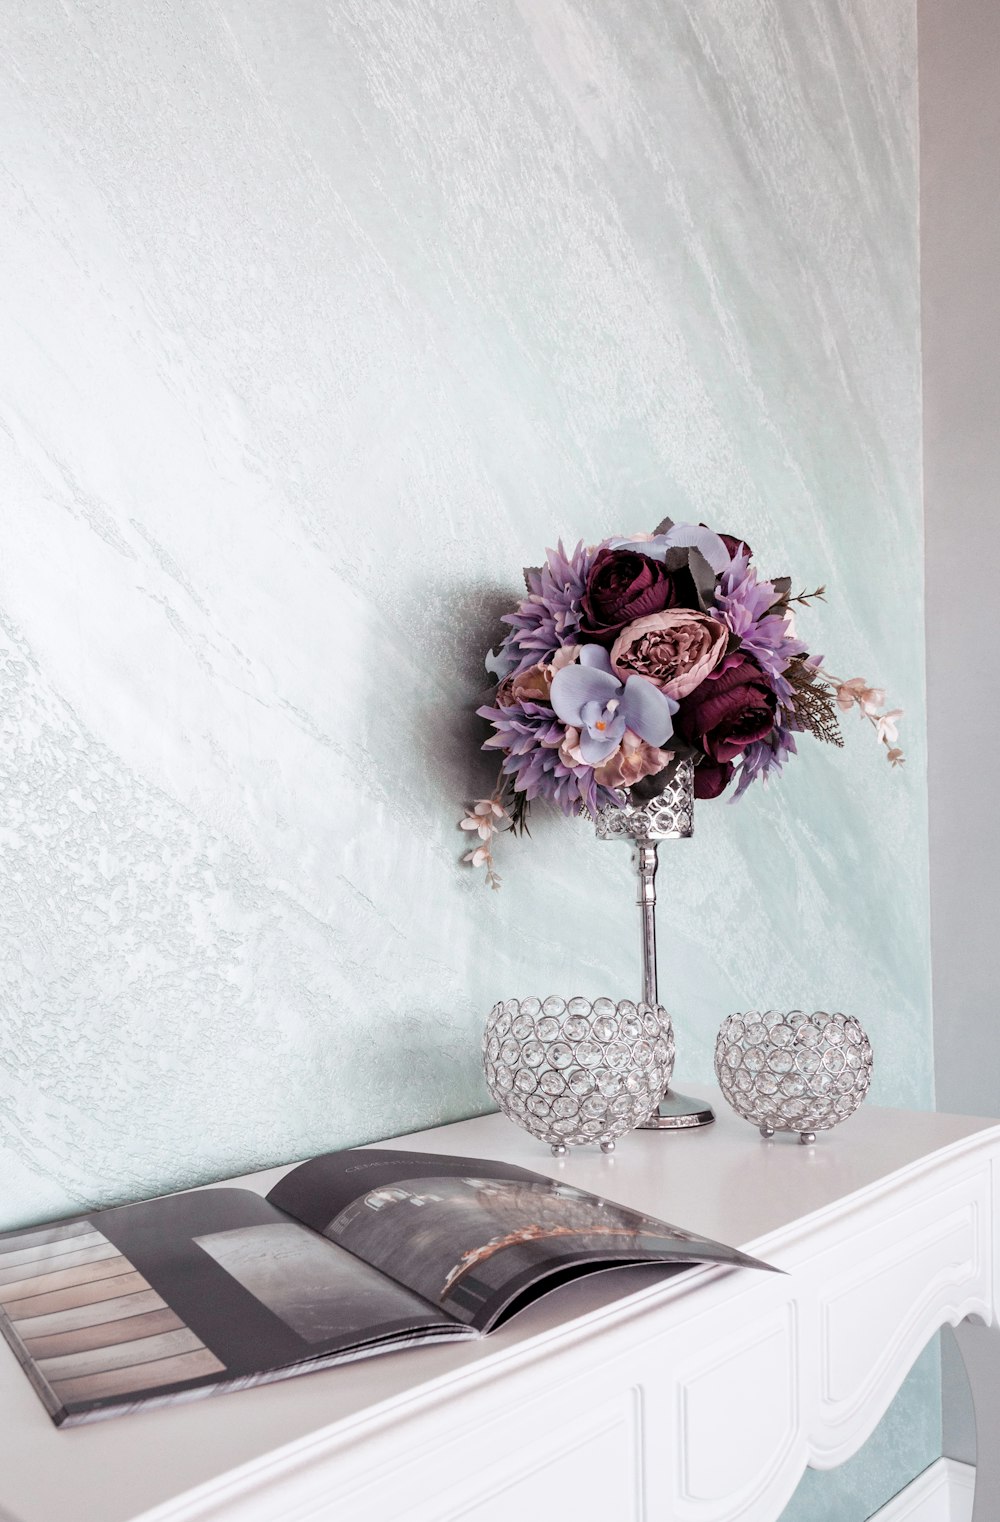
350,1254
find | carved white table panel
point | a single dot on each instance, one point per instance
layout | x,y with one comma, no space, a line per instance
625,1398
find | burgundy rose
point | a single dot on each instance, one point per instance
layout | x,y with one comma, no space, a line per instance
734,706
623,585
712,777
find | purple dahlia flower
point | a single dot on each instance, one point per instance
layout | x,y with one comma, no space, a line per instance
549,617
764,757
744,604
531,735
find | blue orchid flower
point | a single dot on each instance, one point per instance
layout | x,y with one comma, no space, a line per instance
593,700
689,535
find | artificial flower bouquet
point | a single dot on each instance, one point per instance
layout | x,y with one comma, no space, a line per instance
630,655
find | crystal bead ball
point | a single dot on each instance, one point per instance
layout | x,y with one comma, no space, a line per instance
572,1071
793,1072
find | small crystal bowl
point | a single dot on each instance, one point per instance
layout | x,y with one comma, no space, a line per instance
572,1071
793,1072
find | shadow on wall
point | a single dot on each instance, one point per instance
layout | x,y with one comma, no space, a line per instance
457,626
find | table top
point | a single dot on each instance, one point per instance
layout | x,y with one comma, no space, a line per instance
723,1182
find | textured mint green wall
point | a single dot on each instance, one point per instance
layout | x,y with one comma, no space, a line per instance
906,1440
319,320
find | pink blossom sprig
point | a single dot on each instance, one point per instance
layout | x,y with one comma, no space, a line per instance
485,817
869,700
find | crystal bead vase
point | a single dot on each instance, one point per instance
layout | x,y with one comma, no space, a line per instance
572,1071
793,1072
668,816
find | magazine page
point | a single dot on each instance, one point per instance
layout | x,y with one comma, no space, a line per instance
473,1237
182,1295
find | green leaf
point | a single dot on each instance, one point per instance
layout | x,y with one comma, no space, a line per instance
683,557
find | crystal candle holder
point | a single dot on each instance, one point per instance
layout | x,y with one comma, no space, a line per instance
793,1072
572,1071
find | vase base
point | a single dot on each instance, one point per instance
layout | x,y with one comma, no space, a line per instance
679,1112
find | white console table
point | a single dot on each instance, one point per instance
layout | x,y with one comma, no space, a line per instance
628,1398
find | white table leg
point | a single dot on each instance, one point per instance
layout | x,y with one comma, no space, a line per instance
980,1348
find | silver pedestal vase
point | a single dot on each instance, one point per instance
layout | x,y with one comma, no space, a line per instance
670,816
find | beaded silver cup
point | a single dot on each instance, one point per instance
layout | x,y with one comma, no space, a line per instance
793,1072
572,1071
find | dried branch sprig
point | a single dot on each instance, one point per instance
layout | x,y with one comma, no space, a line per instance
520,806
805,598
813,703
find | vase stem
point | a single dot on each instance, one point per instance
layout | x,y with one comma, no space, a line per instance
645,860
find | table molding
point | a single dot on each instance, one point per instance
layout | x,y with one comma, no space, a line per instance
943,1493
701,1398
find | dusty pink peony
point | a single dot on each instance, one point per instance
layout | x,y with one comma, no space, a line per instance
534,684
633,760
569,751
531,686
676,649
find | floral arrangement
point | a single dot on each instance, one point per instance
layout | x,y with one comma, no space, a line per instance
632,654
